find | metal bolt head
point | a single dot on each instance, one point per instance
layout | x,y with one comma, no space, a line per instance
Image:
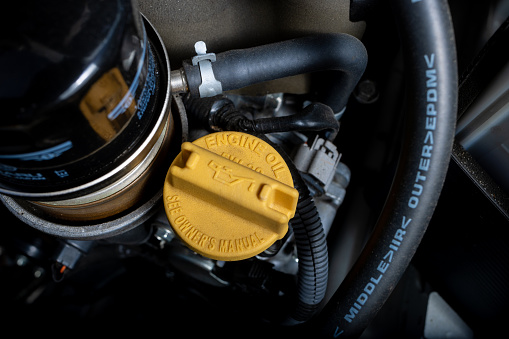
366,92
164,234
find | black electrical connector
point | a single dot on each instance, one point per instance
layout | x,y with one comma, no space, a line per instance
70,252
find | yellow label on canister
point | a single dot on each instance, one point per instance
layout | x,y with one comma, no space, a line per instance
229,195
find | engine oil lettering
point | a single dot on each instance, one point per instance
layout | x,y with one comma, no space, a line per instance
235,139
277,164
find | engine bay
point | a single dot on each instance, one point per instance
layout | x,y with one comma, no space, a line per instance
255,168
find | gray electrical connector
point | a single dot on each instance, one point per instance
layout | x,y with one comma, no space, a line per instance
320,160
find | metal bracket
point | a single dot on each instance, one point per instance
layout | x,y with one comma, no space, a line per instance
209,85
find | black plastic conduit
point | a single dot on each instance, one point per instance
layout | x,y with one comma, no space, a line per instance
326,52
311,243
427,38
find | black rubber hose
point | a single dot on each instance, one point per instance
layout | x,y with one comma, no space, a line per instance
326,52
427,38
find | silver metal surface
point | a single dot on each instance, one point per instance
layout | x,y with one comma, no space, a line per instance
100,230
178,82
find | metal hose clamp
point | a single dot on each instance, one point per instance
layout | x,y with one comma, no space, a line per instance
209,86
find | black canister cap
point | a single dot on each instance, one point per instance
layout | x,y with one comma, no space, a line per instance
77,81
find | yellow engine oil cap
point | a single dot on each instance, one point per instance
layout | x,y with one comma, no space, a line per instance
229,195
